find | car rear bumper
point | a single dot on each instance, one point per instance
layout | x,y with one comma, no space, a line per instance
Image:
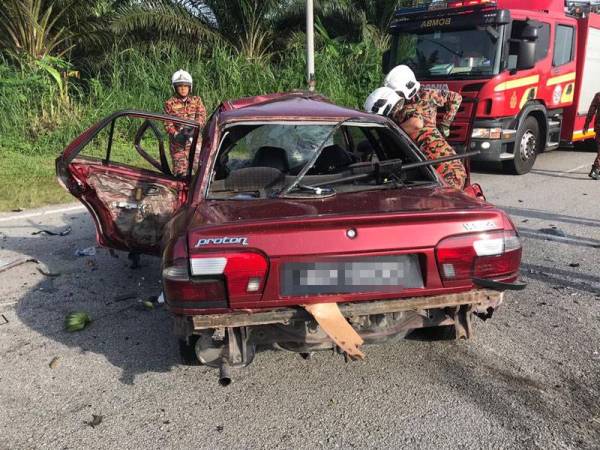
480,301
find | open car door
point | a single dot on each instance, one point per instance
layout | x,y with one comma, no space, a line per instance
119,169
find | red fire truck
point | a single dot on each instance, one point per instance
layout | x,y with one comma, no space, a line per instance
524,68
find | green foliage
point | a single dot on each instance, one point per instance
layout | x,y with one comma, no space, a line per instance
65,64
36,125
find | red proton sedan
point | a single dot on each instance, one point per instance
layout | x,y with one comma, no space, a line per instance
305,226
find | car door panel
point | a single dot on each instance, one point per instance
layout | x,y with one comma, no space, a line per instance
130,205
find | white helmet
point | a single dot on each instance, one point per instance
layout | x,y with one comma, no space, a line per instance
181,77
382,101
402,80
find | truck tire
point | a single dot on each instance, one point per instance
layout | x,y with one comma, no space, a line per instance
527,147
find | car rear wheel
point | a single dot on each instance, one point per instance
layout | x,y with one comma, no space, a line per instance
527,147
187,351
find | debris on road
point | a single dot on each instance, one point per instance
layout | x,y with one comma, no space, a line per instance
554,231
15,263
127,296
42,268
161,299
96,420
77,321
89,251
64,232
3,319
55,362
148,304
574,265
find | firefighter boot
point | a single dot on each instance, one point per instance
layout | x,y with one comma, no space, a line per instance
595,173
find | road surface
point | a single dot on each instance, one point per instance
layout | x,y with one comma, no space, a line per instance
529,379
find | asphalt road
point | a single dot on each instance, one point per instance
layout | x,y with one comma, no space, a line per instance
529,379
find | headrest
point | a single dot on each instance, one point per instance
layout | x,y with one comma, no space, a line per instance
274,157
331,159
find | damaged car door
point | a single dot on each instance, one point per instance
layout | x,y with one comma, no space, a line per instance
119,169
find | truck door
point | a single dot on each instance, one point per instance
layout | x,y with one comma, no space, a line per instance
119,169
560,85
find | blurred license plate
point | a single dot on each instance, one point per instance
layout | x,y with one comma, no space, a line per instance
376,274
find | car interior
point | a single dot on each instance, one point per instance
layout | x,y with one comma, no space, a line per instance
255,163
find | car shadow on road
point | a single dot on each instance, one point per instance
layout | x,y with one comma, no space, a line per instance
130,336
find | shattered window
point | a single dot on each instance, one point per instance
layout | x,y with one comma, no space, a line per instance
263,160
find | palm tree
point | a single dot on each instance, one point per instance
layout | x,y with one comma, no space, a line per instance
353,20
38,29
245,25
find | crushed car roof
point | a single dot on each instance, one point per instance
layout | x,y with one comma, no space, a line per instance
290,106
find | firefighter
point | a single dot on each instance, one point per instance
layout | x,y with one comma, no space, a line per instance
418,117
185,106
594,111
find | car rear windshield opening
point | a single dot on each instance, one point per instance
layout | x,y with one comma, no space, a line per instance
255,160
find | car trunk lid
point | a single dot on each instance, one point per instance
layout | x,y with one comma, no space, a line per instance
395,230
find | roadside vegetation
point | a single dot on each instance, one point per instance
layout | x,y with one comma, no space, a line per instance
66,64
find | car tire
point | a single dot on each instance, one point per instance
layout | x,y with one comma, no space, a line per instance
187,351
527,147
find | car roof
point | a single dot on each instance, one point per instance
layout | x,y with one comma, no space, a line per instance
290,106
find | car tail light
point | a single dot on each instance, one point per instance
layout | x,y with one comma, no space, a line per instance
495,255
183,291
244,272
211,279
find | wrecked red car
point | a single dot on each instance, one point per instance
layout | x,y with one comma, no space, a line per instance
305,226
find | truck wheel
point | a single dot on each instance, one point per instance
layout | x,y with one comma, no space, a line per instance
527,147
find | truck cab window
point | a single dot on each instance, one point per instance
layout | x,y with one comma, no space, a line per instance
563,45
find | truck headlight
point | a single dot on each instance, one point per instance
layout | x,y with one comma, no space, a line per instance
481,133
487,133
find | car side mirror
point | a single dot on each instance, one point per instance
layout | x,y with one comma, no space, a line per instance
385,61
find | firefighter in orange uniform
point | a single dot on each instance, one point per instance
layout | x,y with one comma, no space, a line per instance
418,117
594,111
185,106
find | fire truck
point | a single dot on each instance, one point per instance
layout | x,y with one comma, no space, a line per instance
527,71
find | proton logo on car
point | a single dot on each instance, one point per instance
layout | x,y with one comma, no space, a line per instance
483,225
202,242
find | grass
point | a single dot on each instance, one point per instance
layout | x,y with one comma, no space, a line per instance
36,124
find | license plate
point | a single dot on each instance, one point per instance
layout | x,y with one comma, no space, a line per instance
375,274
